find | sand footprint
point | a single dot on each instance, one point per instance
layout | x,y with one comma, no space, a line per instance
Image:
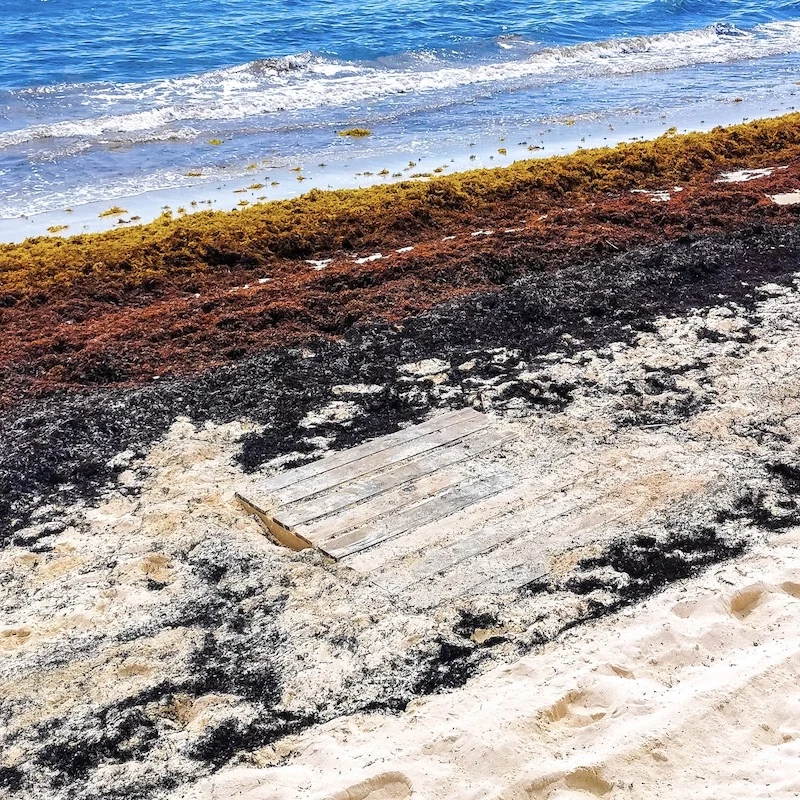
745,601
386,786
589,781
575,709
581,782
684,609
791,588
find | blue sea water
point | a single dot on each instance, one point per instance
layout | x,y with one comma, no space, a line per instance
104,100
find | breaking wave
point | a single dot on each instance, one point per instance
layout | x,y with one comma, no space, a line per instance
305,81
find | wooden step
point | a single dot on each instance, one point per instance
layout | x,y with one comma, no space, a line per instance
351,501
436,512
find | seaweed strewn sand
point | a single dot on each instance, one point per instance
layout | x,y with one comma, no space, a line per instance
190,634
632,314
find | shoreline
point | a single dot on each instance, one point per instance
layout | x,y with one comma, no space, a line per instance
322,222
353,169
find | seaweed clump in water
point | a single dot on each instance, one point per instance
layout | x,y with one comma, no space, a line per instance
356,133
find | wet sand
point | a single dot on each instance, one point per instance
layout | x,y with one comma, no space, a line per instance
354,165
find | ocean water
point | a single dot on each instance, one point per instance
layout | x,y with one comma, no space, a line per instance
171,99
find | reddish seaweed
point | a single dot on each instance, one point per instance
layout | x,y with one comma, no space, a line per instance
100,332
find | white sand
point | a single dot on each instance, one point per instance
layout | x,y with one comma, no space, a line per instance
693,694
786,198
746,175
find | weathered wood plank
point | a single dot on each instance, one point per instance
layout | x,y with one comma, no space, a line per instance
305,511
518,560
509,580
491,535
447,588
438,507
417,554
274,528
342,457
395,501
380,460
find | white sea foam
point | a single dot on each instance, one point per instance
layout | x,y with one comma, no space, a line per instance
306,82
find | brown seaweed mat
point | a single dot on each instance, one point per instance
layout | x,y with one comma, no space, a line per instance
178,297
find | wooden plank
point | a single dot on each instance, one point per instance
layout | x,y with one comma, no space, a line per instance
433,593
475,542
380,460
394,501
439,507
342,457
531,503
510,580
517,561
306,511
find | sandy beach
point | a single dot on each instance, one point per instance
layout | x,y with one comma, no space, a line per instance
399,401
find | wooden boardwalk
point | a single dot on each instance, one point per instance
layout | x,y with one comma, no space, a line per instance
448,509
358,498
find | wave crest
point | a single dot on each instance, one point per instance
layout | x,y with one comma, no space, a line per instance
306,81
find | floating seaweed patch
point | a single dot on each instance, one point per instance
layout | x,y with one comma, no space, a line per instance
356,133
